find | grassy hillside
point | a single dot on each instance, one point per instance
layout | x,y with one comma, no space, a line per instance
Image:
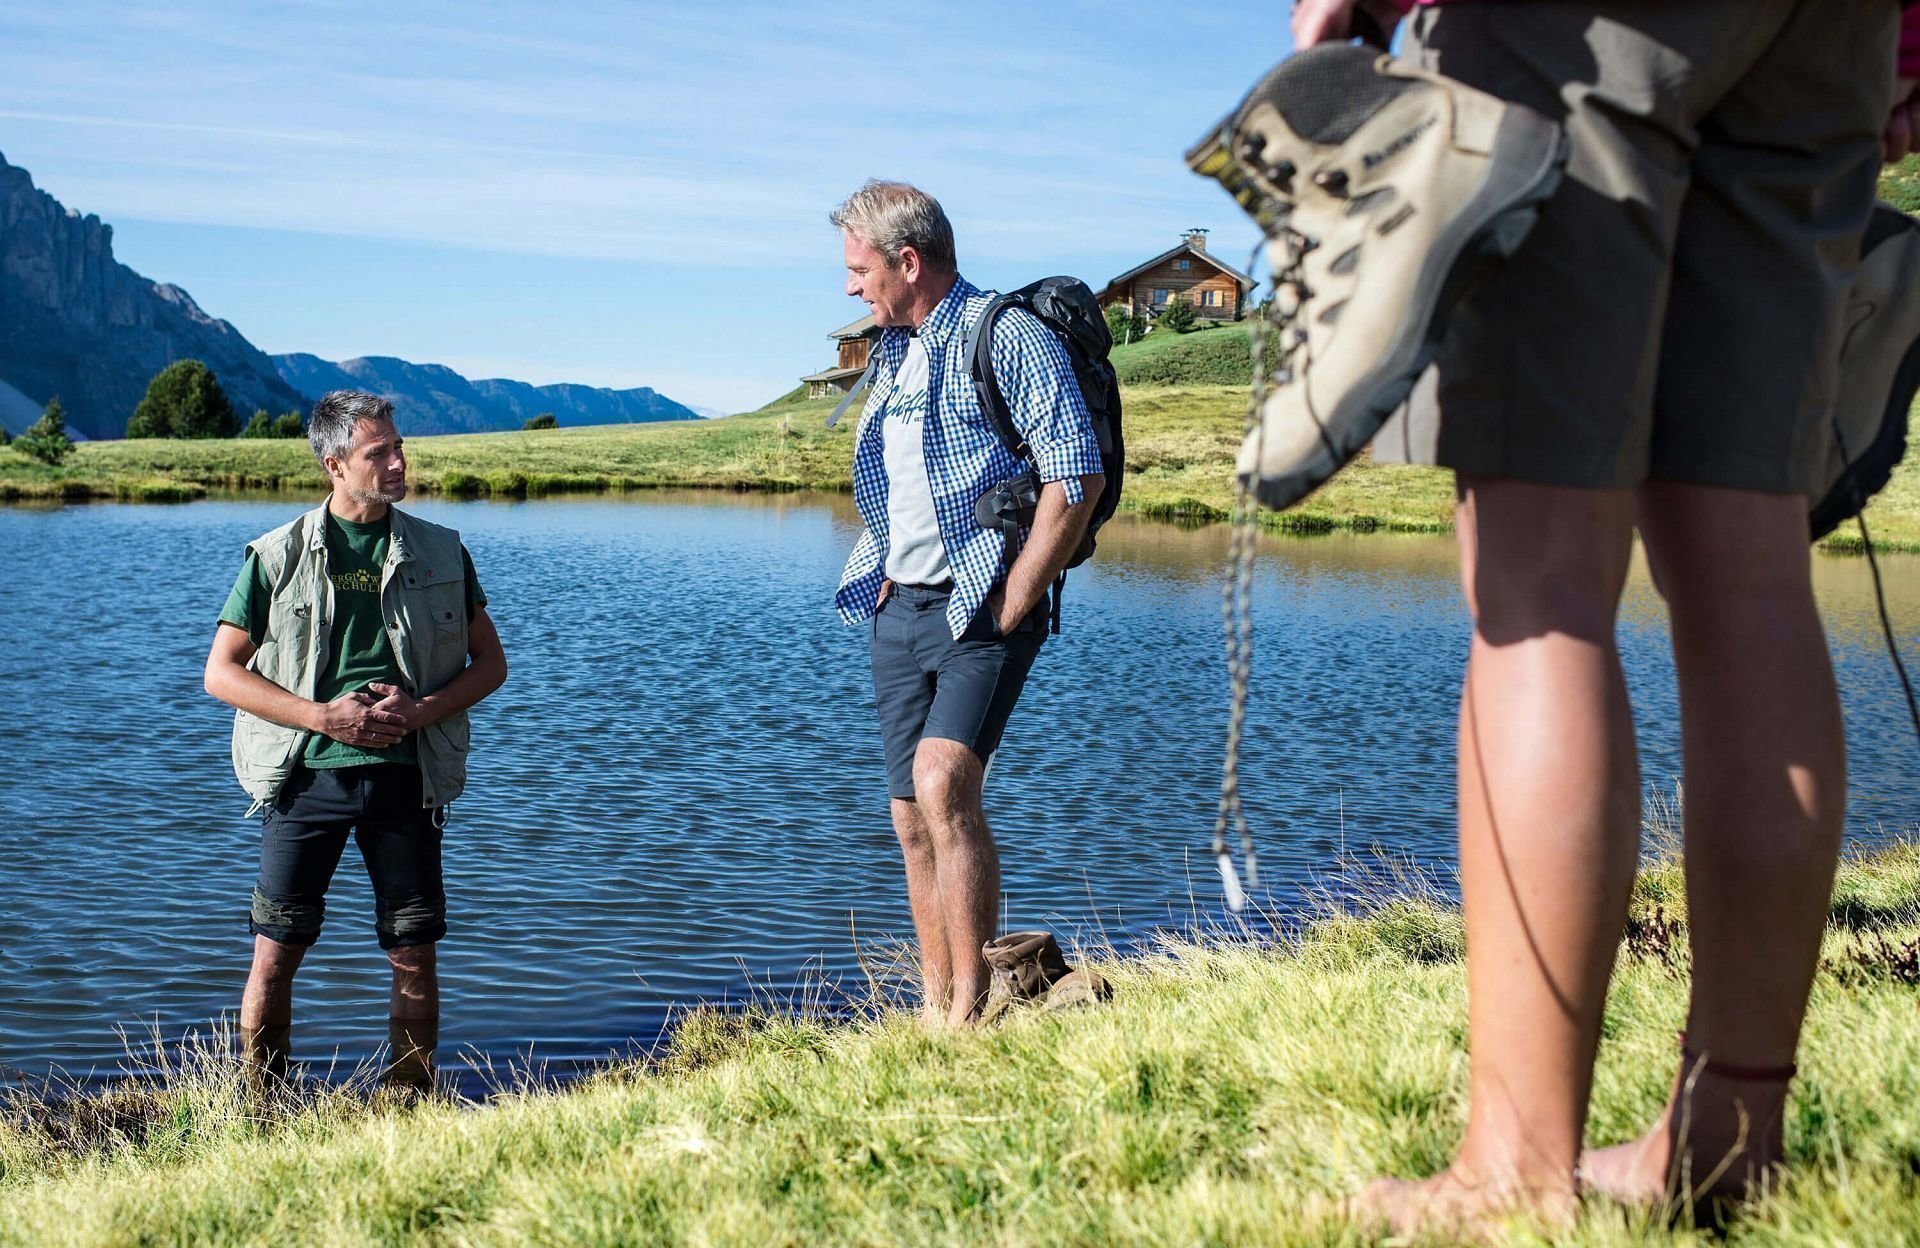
1183,434
1217,355
1225,1088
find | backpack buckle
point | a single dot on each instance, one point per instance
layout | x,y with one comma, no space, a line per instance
1009,505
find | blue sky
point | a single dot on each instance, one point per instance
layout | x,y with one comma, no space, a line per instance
612,193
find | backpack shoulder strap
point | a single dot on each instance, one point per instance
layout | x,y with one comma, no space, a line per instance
986,386
846,401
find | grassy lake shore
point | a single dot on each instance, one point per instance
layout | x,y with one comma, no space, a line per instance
1229,1084
1181,445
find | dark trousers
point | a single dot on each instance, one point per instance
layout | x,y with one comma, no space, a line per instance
305,832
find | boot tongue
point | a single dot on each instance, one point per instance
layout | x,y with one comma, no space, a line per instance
1329,91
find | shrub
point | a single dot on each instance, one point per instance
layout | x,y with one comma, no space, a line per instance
46,439
1123,325
261,426
545,420
184,400
5,437
1178,316
290,425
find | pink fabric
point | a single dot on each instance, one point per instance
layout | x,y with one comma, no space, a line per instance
1909,34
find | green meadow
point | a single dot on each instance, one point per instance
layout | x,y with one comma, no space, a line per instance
1182,438
1232,1085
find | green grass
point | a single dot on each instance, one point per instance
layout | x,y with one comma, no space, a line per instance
1900,184
1216,355
1182,440
1226,1087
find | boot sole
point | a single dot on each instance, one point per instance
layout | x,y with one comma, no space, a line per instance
1488,230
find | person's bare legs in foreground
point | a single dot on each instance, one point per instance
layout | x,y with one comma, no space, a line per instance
953,878
1549,826
1765,799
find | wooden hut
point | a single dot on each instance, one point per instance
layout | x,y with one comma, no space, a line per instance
1215,290
855,343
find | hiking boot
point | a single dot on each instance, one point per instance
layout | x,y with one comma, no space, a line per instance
1879,373
1024,965
1386,193
1083,986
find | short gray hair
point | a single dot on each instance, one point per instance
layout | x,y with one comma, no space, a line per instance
890,216
330,428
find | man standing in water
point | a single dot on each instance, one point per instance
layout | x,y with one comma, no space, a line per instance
353,642
958,610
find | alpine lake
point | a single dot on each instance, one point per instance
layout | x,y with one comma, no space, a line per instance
678,797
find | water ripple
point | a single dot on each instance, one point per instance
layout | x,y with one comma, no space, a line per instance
678,796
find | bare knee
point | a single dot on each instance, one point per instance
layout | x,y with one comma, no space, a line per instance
274,962
1726,551
946,781
1542,559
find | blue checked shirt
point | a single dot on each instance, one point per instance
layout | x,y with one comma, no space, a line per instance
965,458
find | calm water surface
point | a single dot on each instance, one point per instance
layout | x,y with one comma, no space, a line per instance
679,796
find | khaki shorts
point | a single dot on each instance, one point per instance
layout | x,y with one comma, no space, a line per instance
1676,313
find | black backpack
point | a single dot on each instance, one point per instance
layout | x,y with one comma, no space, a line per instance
1065,306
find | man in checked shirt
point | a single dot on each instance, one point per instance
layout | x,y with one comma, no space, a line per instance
957,611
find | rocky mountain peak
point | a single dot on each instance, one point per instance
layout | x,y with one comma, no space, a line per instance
83,326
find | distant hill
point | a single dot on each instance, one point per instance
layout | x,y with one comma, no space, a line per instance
432,398
1218,354
76,323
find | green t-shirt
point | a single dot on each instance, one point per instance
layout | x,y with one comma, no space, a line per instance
359,653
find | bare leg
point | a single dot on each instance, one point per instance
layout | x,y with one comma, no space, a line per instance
413,1027
929,917
1549,833
1765,800
266,1007
947,780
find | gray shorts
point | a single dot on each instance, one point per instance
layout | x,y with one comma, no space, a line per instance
926,684
1676,314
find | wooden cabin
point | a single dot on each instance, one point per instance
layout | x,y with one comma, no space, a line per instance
1216,290
856,344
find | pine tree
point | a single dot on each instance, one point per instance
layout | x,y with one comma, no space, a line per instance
184,400
46,439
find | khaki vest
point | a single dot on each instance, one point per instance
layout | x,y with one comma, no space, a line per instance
423,594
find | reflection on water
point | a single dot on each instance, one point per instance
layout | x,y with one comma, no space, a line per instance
679,795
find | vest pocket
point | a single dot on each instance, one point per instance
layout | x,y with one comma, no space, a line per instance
453,736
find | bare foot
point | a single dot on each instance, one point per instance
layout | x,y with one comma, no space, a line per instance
1455,1204
1718,1140
1633,1173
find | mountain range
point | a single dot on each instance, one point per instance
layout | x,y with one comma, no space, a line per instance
432,398
77,324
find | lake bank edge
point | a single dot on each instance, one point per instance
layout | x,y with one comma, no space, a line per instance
1228,1084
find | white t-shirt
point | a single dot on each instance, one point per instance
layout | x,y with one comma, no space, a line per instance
915,553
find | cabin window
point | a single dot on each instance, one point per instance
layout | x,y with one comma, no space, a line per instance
1184,265
1209,298
1159,294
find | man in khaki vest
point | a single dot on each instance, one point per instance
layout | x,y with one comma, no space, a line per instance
353,642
